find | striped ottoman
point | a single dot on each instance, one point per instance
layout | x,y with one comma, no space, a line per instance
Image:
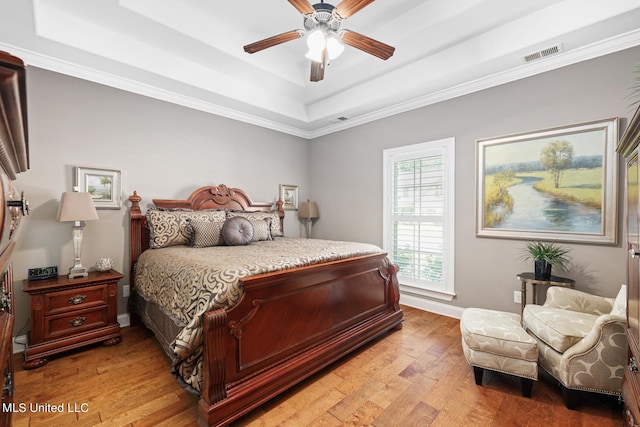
495,340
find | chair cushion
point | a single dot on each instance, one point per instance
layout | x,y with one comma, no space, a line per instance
560,329
572,299
498,333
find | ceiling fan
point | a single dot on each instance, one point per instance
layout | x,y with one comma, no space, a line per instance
322,22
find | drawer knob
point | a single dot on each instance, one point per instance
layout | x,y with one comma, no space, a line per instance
77,299
78,321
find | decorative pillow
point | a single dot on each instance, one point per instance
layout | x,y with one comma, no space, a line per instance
169,228
205,233
620,303
276,230
237,231
261,230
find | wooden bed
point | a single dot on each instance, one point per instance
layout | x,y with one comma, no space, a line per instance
287,325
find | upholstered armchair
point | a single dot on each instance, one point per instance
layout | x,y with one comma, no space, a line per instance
581,339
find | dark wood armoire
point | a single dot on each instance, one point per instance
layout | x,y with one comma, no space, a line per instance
14,158
628,147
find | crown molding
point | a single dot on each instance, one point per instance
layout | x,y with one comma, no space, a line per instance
611,45
97,76
605,47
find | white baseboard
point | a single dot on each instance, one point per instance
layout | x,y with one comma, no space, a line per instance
20,340
18,343
430,305
124,320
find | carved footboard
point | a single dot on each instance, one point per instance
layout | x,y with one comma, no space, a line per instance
288,326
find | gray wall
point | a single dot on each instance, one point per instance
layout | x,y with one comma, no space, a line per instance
167,151
163,151
346,172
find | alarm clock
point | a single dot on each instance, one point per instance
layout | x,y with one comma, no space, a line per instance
41,273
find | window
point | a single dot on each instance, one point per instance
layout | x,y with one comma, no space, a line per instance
418,216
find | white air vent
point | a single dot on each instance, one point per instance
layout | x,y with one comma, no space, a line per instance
550,51
339,119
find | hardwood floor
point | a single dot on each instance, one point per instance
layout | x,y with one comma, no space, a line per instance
413,377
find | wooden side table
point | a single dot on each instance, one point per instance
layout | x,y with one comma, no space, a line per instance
529,278
71,313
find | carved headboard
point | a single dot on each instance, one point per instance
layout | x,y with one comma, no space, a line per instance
210,197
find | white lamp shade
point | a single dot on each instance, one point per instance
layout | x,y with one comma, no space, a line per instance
75,206
314,55
334,47
308,210
316,40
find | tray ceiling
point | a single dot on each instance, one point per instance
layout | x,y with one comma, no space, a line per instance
189,52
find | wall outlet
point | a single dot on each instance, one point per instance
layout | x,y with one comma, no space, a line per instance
517,297
125,291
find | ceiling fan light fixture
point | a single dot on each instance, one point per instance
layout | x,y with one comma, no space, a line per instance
314,55
334,47
317,40
325,39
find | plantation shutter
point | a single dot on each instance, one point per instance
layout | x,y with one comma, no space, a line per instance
419,219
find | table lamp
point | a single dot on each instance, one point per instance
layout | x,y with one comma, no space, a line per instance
308,211
77,207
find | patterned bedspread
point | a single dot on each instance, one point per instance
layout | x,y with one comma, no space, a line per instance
186,282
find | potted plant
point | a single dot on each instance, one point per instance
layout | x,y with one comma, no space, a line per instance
546,255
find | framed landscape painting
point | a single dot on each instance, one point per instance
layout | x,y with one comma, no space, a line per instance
289,196
103,184
556,184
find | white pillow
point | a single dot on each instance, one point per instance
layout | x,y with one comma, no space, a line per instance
620,303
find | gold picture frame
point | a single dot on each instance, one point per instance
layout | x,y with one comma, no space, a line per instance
557,184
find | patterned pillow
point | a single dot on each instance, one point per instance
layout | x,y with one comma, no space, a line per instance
205,233
261,230
169,228
237,231
276,230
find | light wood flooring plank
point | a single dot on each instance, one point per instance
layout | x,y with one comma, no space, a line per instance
416,376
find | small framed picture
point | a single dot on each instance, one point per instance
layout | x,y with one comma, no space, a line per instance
289,196
104,185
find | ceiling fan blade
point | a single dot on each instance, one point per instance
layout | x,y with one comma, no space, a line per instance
273,41
317,68
303,6
367,44
349,7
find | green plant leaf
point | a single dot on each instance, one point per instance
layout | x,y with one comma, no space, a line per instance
548,252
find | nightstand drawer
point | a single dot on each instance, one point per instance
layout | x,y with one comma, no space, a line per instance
75,299
75,322
70,313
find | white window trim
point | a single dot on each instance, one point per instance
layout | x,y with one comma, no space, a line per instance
445,147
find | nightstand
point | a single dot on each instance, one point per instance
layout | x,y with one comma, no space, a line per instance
70,313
